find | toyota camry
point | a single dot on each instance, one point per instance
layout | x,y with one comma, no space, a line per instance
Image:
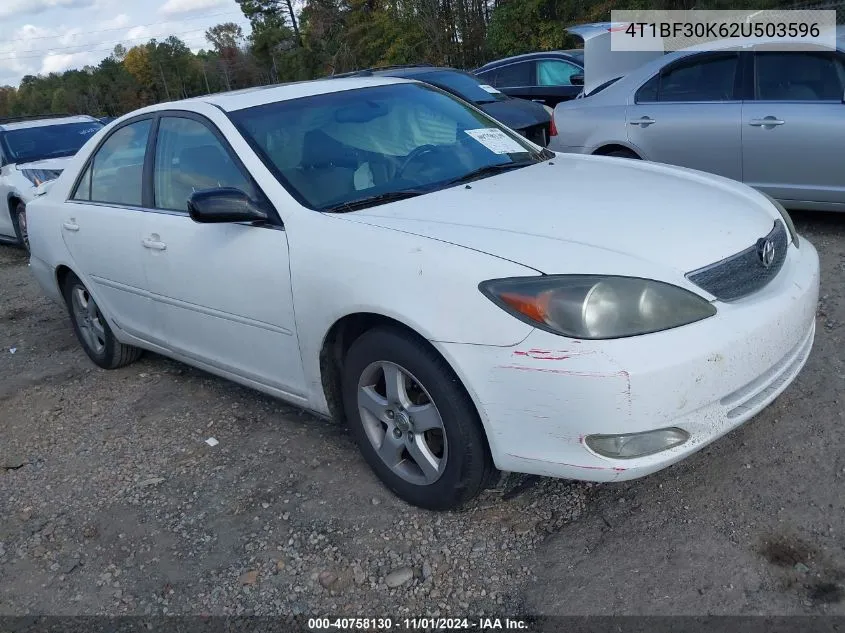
381,252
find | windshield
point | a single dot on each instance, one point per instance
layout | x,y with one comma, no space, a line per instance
30,144
464,85
355,145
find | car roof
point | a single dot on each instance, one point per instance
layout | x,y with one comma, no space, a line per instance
20,123
602,63
569,55
262,95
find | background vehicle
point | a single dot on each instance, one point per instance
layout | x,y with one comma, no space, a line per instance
380,251
34,150
529,119
546,78
774,120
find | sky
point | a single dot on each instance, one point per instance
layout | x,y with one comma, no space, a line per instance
44,36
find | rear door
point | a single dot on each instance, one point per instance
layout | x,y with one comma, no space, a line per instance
101,226
515,79
554,81
793,131
689,114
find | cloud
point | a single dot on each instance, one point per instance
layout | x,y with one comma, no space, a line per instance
177,7
31,49
57,63
13,8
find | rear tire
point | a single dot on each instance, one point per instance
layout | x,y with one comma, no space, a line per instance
93,330
413,421
623,153
19,220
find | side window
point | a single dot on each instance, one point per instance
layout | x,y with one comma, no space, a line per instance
648,91
552,72
83,189
798,76
189,157
514,75
115,174
710,79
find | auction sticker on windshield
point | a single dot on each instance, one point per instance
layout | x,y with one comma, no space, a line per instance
496,141
490,89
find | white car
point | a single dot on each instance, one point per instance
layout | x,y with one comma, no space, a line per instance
379,251
34,150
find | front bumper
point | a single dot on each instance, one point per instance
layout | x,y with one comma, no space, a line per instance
538,400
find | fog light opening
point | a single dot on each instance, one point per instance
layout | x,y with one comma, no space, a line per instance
631,445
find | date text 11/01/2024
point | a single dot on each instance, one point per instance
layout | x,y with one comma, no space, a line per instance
416,624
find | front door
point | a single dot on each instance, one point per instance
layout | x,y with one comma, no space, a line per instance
689,115
793,131
223,290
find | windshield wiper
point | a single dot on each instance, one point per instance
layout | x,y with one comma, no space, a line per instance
371,201
490,170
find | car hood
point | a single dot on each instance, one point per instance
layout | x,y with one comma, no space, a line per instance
57,164
590,214
517,114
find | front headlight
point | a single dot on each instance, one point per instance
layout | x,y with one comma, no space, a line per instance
39,176
595,306
786,219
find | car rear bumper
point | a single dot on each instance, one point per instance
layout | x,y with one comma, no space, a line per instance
46,278
539,400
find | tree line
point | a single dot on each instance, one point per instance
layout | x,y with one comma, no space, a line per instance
321,38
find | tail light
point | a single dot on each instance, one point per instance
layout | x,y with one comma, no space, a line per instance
553,127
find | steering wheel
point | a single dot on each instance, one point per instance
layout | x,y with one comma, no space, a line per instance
416,153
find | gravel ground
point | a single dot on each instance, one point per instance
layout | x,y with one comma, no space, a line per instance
112,502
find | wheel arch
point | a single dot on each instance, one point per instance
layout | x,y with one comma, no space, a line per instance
345,331
607,148
61,273
337,341
12,200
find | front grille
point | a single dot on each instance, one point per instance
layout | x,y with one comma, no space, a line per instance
744,273
537,134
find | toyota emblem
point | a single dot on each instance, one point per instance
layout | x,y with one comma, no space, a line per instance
766,252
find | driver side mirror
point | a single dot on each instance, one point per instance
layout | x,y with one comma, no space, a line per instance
577,80
222,205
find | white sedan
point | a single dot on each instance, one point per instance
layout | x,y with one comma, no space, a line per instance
379,251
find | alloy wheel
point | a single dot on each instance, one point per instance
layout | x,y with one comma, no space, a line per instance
402,423
89,319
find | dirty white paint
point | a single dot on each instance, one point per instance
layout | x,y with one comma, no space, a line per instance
254,304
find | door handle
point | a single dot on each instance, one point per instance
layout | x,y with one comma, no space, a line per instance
71,225
643,121
154,244
766,121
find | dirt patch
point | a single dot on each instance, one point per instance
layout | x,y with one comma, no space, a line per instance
786,552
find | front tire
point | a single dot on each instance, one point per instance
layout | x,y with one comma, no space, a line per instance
413,421
92,328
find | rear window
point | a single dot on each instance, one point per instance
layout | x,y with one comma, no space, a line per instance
603,86
464,85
